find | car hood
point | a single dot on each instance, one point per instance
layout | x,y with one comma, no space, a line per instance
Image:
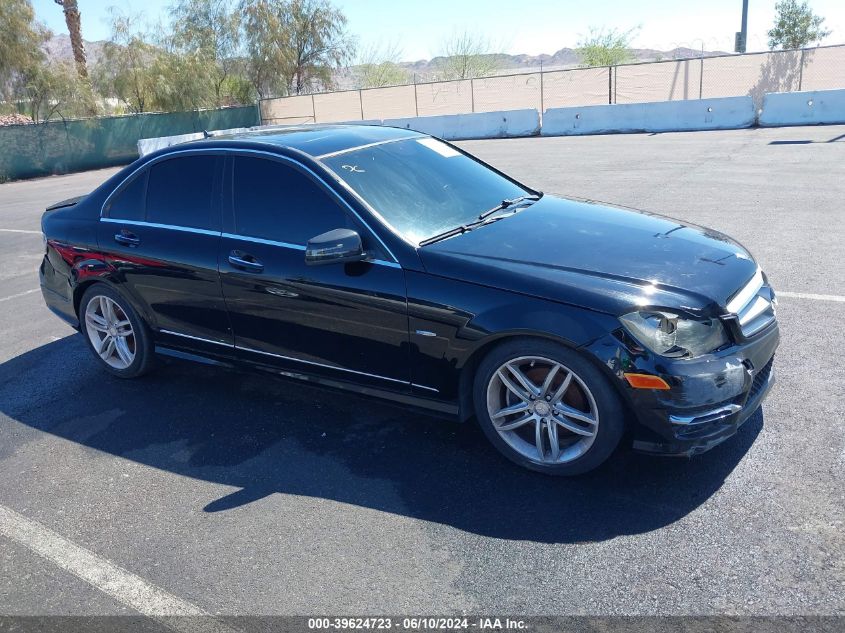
598,256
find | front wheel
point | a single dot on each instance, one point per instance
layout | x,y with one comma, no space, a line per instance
116,335
547,408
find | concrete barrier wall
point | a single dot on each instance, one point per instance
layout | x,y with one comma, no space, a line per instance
665,116
150,145
803,108
364,122
454,127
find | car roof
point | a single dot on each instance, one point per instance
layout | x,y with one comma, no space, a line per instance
316,140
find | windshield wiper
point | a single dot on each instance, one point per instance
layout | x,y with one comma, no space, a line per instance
463,228
508,203
481,221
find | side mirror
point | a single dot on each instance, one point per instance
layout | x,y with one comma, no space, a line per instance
335,247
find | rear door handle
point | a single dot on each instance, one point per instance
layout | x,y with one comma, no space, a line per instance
245,261
127,238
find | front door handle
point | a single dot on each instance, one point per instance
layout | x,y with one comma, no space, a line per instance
245,261
127,238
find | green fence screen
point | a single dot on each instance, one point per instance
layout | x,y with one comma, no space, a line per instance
59,147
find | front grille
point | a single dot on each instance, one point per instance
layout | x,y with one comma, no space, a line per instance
760,379
754,305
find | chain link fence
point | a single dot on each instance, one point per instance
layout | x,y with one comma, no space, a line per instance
752,74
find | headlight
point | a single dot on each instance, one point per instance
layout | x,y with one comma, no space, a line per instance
670,335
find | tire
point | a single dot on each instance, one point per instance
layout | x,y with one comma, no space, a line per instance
585,416
132,353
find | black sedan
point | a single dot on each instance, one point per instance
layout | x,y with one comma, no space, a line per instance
393,264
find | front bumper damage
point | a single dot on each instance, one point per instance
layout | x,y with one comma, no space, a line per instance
709,397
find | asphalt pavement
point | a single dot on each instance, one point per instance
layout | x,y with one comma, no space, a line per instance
195,490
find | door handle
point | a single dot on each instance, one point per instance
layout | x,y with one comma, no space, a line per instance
245,261
126,238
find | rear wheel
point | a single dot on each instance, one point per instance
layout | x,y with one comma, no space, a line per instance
547,408
116,335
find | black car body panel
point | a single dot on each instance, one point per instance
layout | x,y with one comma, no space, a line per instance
357,308
598,256
411,323
450,321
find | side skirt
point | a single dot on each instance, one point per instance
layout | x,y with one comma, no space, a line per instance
194,358
429,405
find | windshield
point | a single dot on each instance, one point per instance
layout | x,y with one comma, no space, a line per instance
422,186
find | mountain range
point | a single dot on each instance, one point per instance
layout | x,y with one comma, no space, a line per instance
564,58
58,48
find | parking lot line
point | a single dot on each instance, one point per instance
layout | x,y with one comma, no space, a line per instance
20,231
122,585
807,295
20,294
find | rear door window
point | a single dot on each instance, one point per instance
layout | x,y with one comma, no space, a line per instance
179,192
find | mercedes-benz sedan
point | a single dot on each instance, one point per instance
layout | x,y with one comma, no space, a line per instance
393,264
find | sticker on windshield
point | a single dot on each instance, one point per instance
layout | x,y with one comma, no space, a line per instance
441,148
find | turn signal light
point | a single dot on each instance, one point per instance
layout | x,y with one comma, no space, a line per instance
646,381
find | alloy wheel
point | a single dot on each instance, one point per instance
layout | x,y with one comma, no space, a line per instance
542,409
110,332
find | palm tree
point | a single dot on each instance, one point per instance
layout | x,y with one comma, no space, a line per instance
74,27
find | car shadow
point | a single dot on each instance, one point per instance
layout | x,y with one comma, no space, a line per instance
264,435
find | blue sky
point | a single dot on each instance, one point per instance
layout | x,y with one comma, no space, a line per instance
515,26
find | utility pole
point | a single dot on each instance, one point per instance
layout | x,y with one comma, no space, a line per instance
742,35
541,88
